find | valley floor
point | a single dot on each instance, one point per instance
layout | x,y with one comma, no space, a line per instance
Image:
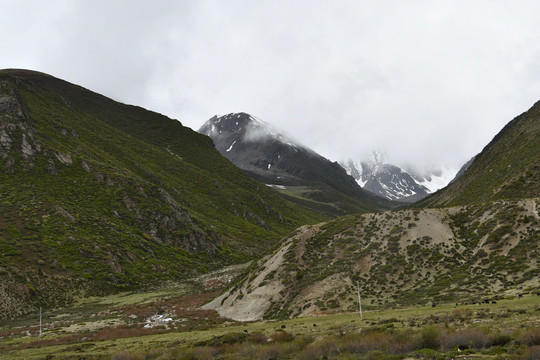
167,324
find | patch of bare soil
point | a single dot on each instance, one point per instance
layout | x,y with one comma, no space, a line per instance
250,300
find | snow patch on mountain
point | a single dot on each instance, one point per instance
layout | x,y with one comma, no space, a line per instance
354,168
433,180
230,147
393,182
437,182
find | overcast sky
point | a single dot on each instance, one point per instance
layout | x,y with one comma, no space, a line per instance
429,82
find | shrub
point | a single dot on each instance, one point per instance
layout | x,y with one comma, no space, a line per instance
430,338
358,344
328,345
124,355
205,353
248,351
463,313
281,336
427,353
500,339
469,337
379,355
531,337
401,342
310,352
257,338
268,352
533,353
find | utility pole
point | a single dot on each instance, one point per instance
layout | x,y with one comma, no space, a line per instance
40,321
359,298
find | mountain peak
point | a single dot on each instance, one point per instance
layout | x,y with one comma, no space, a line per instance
393,182
231,129
275,159
378,158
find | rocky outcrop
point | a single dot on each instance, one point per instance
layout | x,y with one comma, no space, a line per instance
16,131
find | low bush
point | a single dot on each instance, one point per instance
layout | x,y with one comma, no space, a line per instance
431,342
533,353
500,339
472,338
430,338
531,337
281,336
257,338
125,355
363,343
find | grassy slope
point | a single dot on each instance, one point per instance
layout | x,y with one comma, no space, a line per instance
129,207
507,168
62,338
400,258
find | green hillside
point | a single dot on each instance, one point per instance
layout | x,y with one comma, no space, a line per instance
507,168
98,196
399,258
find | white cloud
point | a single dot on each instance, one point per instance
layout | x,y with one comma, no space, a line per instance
427,82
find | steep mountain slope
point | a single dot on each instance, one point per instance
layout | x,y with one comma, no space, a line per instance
378,176
98,196
507,168
464,168
407,257
275,159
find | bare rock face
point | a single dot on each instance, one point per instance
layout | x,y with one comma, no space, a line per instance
5,143
16,133
86,167
26,148
10,106
64,158
51,169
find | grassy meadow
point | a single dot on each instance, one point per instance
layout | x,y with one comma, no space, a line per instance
121,327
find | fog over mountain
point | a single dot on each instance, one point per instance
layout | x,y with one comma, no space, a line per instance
396,182
429,83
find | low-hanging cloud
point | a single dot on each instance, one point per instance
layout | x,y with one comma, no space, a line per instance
429,83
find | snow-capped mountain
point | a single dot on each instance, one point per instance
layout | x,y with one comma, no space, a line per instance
376,175
434,179
256,147
275,159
